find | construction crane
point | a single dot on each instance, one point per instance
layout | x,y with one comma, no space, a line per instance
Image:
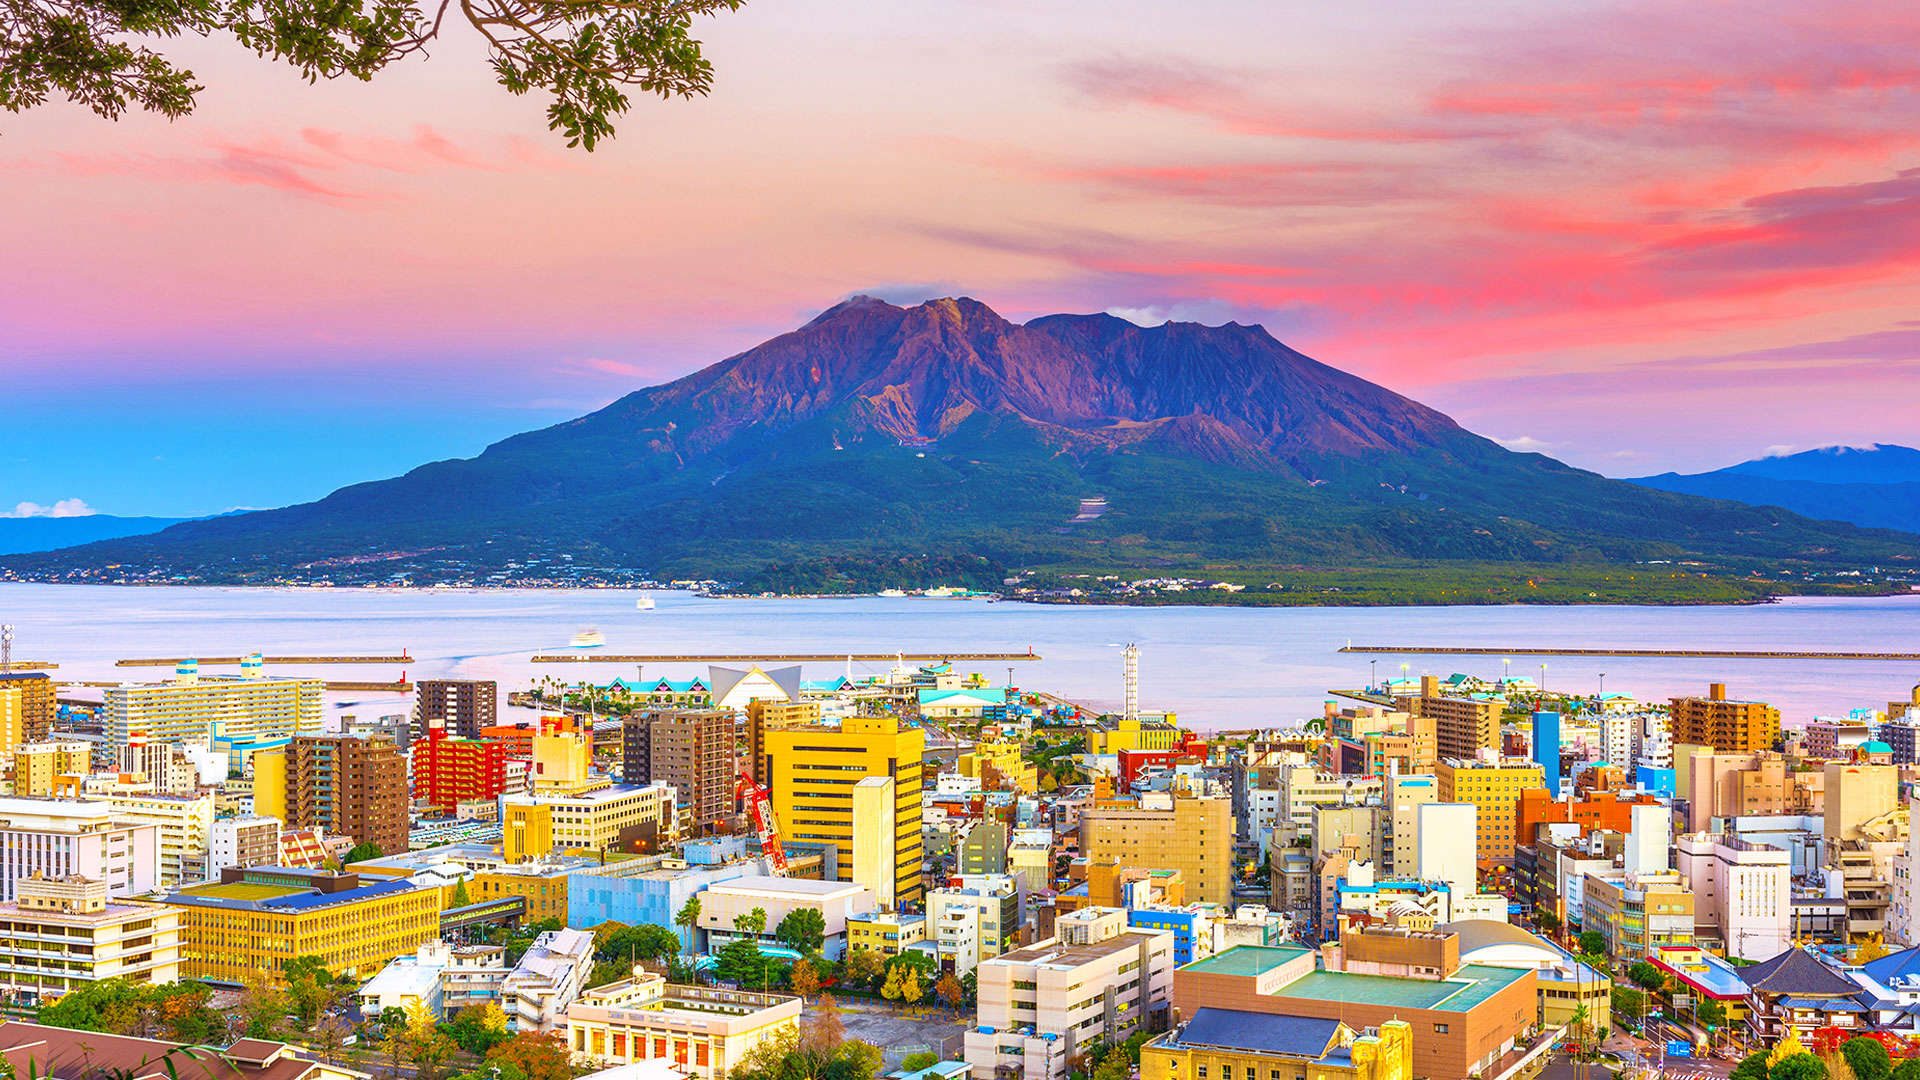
760,806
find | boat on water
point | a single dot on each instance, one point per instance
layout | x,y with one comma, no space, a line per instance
588,639
644,603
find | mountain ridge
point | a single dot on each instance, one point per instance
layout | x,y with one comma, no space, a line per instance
1876,486
942,430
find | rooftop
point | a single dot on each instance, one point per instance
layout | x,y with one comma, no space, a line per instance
1051,953
1231,1029
1465,989
758,883
1247,960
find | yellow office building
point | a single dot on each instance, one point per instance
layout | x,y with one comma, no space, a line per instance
617,817
257,918
812,772
1494,788
1003,758
1115,735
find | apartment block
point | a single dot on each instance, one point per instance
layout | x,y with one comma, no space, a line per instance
37,704
972,919
1742,894
1096,980
347,786
1157,831
1493,786
812,772
1462,726
246,840
1725,725
691,750
184,824
449,770
62,934
240,712
1638,913
63,838
39,768
464,707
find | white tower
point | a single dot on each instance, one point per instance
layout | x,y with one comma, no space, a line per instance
1131,707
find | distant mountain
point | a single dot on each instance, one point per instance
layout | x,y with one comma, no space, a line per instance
19,535
921,435
1878,486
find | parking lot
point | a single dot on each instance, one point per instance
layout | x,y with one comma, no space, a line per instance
899,1032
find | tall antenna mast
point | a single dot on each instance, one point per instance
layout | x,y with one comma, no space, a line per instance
1131,708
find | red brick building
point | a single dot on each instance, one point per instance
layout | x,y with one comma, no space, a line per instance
448,771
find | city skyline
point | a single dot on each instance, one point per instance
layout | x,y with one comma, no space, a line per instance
1635,236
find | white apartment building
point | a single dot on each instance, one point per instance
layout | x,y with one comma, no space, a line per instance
236,712
185,823
440,978
59,838
1742,893
62,934
248,840
536,993
1096,980
974,920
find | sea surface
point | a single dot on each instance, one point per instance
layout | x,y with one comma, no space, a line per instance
1215,666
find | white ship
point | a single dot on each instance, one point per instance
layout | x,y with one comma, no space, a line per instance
645,603
588,639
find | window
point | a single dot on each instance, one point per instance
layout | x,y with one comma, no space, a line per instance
1440,1029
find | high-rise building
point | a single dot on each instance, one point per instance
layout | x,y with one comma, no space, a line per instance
1400,844
37,704
239,712
58,838
448,770
1546,748
347,786
691,750
1192,835
1731,726
812,772
39,767
248,840
1462,726
185,823
1494,787
464,706
1742,894
1448,848
13,717
764,715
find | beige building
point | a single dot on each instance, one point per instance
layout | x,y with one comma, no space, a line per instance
1191,835
615,818
185,824
723,903
1095,980
1744,726
1462,727
39,768
1638,913
701,1031
237,712
61,934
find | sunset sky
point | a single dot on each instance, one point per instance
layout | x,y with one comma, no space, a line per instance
1636,236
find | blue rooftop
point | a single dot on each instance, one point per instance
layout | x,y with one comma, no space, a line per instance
1267,1033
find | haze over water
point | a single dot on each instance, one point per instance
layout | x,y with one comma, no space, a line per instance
1216,667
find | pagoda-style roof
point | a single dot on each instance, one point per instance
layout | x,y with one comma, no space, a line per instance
1796,972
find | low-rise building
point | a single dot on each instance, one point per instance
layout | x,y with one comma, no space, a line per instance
255,919
723,903
536,993
617,817
61,934
976,918
702,1031
888,933
1095,980
1227,1043
66,1054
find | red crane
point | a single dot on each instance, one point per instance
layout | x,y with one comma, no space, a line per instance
760,805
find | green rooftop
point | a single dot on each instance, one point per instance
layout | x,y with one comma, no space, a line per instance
1246,960
1468,987
241,890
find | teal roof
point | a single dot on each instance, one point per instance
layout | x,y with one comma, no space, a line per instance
1468,987
1875,746
986,696
1246,960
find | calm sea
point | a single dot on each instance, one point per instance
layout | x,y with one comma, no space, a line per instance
1217,667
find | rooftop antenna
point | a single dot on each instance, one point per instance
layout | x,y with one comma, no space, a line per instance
1131,708
6,649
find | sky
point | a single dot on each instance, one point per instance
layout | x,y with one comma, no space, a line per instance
1637,236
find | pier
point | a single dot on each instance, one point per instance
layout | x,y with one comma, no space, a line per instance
1679,654
755,658
27,665
235,661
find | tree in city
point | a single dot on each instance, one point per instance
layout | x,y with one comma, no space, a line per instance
477,1029
1711,1013
361,852
1906,1070
863,967
584,56
461,897
1629,1004
1644,975
925,1059
792,1056
823,1028
688,917
1578,1021
1548,922
262,1004
803,929
1799,1067
950,991
753,922
310,986
1751,1067
1593,943
804,978
426,1046
1867,1058
536,1055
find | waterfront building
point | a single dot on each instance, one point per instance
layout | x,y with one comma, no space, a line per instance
702,1032
807,769
1157,831
1096,979
691,751
63,838
1725,725
255,919
1493,786
448,770
1463,726
193,709
549,976
1228,1043
464,707
67,933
